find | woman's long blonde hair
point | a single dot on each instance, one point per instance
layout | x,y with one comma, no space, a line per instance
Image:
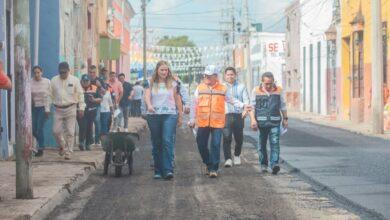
155,78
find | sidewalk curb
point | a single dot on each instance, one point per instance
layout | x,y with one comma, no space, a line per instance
64,192
325,124
328,191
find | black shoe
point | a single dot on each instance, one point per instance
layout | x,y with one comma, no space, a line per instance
169,176
39,153
81,147
275,169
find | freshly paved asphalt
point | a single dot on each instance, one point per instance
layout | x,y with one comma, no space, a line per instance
354,166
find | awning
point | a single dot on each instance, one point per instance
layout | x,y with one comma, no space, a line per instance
109,49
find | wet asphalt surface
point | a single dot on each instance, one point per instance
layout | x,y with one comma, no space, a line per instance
353,166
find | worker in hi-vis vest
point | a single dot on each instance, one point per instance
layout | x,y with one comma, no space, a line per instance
269,107
208,114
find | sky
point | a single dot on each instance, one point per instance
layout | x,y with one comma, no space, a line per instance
204,15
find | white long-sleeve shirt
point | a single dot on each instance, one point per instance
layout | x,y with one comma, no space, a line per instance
67,91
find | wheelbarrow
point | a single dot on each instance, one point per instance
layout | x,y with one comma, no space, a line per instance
119,148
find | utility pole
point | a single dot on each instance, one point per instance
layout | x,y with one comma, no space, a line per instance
249,77
23,148
234,35
144,38
377,68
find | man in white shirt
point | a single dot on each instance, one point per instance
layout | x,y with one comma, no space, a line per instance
68,99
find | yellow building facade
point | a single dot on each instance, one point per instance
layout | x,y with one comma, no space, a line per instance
356,49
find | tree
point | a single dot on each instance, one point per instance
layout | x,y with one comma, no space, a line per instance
180,41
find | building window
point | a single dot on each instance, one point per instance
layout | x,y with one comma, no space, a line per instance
311,77
304,79
89,20
357,65
319,75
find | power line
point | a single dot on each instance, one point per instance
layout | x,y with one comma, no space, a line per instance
173,7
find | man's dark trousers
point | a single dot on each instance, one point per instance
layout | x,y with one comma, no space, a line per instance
234,127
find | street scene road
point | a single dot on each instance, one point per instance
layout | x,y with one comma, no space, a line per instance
241,192
194,109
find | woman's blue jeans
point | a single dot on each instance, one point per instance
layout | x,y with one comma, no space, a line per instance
104,122
38,122
162,130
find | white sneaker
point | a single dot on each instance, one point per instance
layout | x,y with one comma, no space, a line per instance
237,160
228,163
126,130
264,169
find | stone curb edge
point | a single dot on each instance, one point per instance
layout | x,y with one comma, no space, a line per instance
322,188
65,191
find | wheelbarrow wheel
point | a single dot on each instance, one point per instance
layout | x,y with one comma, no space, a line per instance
118,171
130,163
106,163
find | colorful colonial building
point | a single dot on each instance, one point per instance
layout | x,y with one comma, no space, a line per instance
356,80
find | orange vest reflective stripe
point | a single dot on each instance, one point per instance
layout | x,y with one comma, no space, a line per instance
210,111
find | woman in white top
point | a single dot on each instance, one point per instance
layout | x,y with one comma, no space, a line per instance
40,88
164,113
106,109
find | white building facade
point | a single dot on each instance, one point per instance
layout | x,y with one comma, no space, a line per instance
316,17
267,55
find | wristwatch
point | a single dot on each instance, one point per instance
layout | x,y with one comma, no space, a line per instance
285,118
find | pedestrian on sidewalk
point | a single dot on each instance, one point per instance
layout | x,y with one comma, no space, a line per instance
164,113
40,93
269,104
137,100
5,82
234,118
95,81
106,109
125,102
92,99
117,93
68,98
208,113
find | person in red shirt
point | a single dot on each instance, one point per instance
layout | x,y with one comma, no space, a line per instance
5,83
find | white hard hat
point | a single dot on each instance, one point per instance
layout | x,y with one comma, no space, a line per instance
212,70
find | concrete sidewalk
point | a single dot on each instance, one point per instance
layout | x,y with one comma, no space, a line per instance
54,179
362,128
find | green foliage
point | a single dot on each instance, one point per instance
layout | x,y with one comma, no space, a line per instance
180,41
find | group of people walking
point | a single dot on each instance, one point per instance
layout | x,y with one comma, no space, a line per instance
218,111
90,101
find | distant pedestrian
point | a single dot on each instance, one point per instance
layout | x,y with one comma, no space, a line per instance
117,93
269,104
137,100
5,82
40,96
208,113
164,113
68,99
92,99
234,125
125,102
106,109
94,80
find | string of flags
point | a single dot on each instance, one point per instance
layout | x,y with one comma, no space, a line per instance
188,60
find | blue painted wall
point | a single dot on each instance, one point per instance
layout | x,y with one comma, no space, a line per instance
49,48
49,36
3,114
